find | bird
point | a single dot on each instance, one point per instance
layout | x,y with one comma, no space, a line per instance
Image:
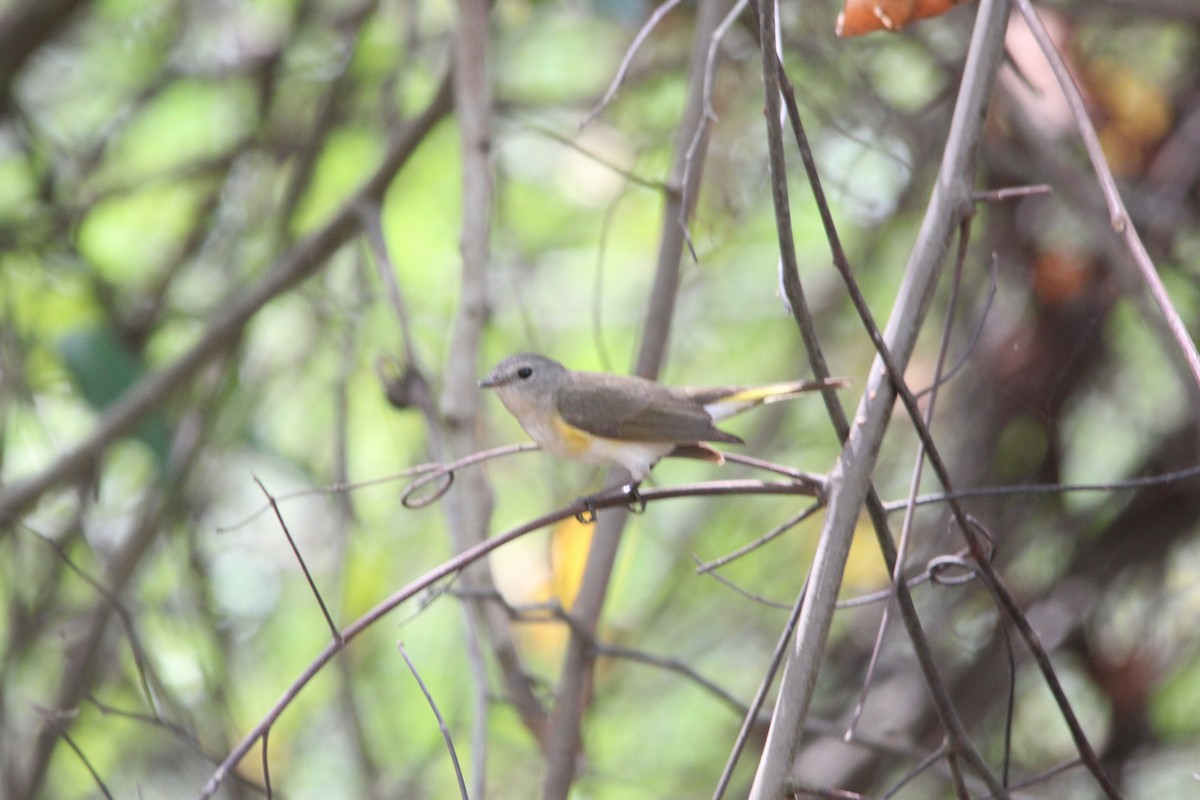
623,420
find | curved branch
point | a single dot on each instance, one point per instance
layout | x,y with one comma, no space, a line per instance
457,564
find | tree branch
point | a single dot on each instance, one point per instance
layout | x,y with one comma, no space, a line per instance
229,320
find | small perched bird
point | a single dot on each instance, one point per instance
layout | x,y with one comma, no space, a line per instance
623,420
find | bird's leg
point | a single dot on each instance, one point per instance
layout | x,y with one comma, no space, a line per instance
637,503
588,515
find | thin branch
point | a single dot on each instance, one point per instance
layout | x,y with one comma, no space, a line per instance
149,523
1047,488
312,584
334,488
563,739
627,60
266,762
850,481
710,115
760,696
455,565
744,592
141,661
799,791
975,336
458,775
671,665
369,217
996,195
750,547
174,729
1118,215
52,719
811,478
229,320
596,158
1045,775
964,238
924,764
446,472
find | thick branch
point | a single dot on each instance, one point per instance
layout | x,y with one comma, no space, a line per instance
850,480
563,739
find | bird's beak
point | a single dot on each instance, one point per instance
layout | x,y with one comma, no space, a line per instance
487,383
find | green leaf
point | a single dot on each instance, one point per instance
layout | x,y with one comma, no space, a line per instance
104,368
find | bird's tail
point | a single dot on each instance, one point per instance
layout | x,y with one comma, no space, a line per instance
700,451
723,402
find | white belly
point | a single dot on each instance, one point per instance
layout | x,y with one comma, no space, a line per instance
637,457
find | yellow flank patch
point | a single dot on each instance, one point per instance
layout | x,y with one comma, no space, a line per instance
575,441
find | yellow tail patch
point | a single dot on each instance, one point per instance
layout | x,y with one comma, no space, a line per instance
760,393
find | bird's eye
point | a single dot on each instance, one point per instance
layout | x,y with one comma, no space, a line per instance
524,372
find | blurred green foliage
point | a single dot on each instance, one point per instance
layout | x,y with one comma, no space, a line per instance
163,155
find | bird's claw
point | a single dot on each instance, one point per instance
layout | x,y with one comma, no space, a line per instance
634,502
637,503
588,515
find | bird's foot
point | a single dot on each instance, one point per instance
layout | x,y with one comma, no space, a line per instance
637,503
588,515
634,502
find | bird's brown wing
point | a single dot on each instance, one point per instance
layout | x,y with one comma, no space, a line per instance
635,409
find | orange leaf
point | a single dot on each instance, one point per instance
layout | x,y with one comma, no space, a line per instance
863,16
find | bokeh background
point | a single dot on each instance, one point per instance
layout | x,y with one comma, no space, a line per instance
163,164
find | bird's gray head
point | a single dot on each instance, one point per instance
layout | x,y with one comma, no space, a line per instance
525,377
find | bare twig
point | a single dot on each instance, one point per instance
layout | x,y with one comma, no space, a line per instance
627,174
173,728
141,662
672,665
312,584
1047,488
436,472
75,681
954,196
266,762
925,764
811,478
996,195
458,775
229,320
1118,215
710,115
52,719
334,488
563,739
975,335
627,60
760,696
369,217
743,591
902,549
850,481
749,547
456,565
